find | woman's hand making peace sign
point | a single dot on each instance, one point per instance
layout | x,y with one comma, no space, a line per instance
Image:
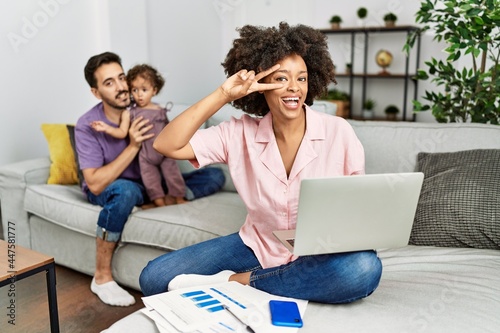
246,82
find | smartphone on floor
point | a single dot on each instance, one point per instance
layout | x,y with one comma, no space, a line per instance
285,313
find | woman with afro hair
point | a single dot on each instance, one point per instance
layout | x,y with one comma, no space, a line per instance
274,74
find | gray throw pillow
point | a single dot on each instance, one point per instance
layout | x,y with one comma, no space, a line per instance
459,205
71,132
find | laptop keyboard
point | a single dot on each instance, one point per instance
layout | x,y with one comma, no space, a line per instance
291,242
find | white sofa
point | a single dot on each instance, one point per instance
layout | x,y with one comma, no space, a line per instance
423,288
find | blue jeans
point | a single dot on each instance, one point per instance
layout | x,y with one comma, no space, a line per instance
329,278
120,197
203,182
117,201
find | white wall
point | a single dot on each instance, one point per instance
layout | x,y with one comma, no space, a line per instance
185,44
45,44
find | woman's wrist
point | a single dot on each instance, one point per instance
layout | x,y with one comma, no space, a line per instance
224,95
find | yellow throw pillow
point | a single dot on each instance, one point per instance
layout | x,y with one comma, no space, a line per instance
63,169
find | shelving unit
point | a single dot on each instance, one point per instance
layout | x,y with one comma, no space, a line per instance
366,77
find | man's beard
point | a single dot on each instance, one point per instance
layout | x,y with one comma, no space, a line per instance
114,104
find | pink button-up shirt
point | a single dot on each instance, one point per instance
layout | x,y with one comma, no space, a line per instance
248,146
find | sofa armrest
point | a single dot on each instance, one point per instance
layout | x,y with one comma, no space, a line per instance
14,179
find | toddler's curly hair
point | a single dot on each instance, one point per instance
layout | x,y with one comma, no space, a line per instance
259,48
148,73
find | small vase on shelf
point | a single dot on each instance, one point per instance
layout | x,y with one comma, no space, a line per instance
368,107
367,114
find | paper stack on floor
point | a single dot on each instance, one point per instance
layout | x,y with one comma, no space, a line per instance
201,309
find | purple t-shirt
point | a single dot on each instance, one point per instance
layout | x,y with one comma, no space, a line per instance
96,149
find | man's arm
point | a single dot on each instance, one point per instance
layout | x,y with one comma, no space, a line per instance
98,179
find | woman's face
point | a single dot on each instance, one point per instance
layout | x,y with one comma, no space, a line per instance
287,102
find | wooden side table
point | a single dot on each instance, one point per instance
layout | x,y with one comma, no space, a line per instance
17,263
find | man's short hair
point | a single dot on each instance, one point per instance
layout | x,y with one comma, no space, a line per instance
97,61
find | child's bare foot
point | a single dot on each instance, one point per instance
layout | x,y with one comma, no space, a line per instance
160,202
148,206
180,200
169,200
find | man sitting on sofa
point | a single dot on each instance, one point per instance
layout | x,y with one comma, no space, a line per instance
111,170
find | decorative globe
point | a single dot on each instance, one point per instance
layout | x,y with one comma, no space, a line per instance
383,59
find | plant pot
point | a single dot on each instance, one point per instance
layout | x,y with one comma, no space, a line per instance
342,108
390,24
367,114
391,116
335,26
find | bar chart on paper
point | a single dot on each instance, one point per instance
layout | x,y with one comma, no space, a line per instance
204,301
199,309
202,309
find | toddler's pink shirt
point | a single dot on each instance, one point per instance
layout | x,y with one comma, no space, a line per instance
248,146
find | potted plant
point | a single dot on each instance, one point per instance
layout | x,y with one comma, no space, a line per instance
368,107
335,21
348,68
463,92
362,13
341,99
391,112
390,20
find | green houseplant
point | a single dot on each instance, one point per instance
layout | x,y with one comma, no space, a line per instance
368,107
390,19
470,30
369,104
335,94
335,21
341,99
362,13
348,68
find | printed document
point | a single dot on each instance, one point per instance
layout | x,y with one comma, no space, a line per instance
202,309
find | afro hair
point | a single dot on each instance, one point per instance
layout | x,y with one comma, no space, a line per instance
259,48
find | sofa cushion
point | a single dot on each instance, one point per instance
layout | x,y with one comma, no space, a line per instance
423,289
169,227
64,205
392,146
459,203
175,227
63,168
71,132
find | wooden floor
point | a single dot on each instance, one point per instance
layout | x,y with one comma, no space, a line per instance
79,309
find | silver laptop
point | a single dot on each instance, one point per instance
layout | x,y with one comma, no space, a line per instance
352,213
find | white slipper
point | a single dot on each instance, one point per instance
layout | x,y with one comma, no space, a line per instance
112,294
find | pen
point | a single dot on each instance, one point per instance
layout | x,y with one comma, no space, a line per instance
249,329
